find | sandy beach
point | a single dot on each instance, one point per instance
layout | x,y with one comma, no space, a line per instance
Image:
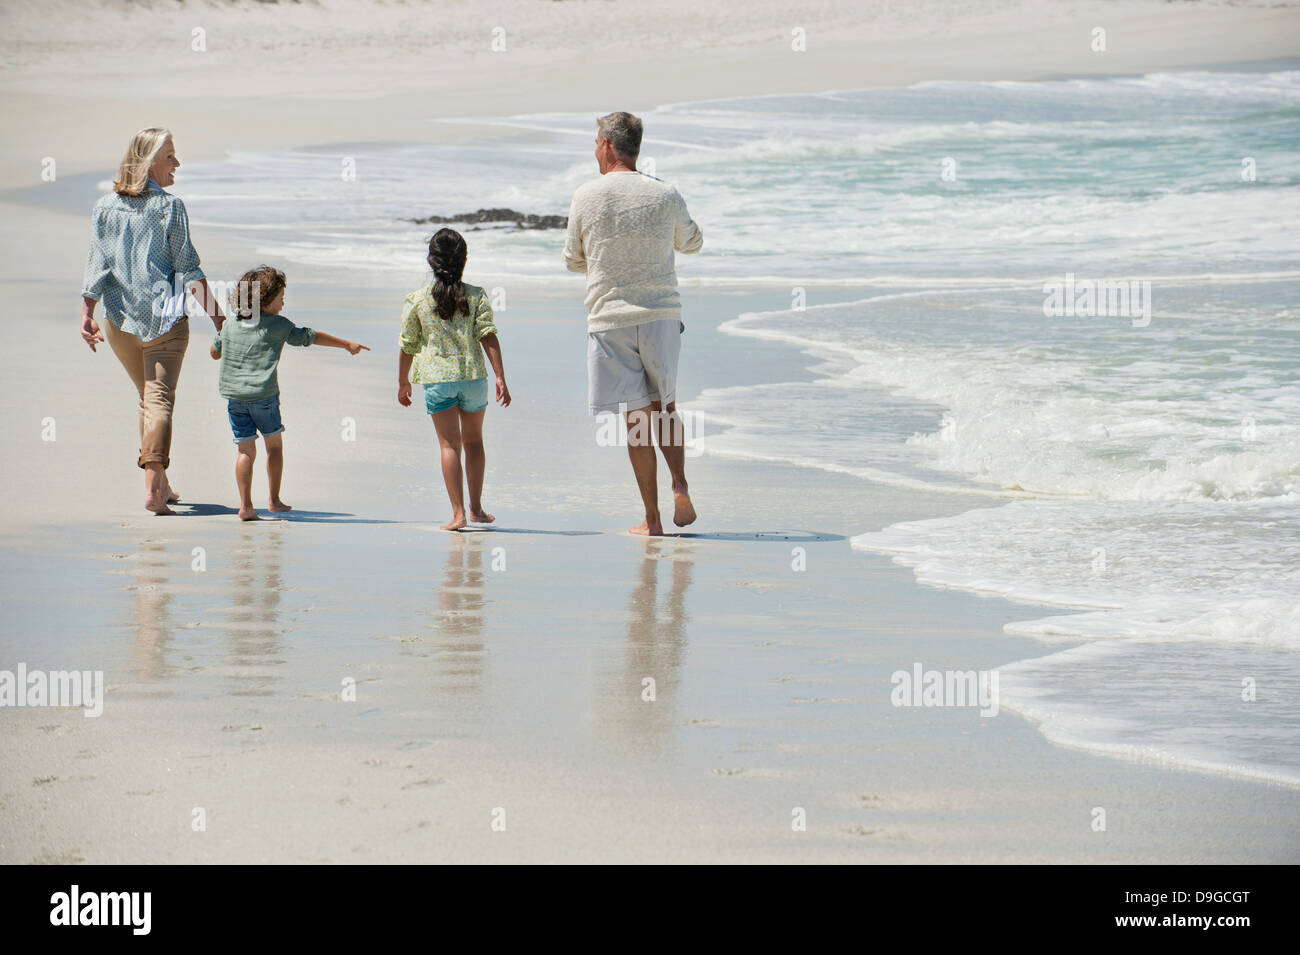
350,684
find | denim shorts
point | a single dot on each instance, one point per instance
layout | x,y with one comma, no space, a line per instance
249,417
470,396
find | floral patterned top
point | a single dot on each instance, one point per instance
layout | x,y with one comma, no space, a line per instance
445,350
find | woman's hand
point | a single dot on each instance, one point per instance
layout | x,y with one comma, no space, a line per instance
404,394
90,331
503,393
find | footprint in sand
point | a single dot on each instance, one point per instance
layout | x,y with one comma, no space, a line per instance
422,783
47,780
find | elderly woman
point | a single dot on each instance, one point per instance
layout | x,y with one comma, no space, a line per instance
141,266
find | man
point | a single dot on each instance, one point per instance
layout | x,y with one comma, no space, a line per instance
623,228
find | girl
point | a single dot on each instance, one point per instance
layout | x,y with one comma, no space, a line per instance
446,328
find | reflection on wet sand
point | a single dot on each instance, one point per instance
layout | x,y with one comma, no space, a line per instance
456,630
253,646
654,649
151,614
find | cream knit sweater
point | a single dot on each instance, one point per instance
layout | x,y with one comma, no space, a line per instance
623,228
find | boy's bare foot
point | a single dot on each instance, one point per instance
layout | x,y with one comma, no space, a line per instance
277,506
248,514
456,523
648,529
683,509
479,516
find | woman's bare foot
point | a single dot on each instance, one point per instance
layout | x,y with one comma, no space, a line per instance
456,523
248,514
172,496
683,509
157,492
278,506
479,516
648,529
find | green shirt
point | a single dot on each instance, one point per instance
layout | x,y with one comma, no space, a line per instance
445,350
250,351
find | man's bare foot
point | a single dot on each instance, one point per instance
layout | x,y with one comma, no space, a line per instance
248,514
648,529
456,523
683,509
479,516
278,506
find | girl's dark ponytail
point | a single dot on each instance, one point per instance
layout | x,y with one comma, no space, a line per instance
447,259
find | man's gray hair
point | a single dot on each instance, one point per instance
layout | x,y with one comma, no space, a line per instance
623,131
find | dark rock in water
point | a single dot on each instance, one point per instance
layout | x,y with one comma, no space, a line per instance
522,220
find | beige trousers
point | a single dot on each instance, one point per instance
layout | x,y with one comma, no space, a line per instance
154,368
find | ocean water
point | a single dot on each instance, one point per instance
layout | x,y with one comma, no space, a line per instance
1135,474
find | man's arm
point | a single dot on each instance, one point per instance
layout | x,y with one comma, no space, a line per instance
575,257
688,237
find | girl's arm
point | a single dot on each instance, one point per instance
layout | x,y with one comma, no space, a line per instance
404,379
492,348
322,338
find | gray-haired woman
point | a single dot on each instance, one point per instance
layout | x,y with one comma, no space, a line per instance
141,267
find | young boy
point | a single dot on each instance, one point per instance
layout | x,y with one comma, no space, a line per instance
248,347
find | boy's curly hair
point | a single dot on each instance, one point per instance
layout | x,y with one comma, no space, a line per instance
256,286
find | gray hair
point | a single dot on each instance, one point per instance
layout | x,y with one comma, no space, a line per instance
623,132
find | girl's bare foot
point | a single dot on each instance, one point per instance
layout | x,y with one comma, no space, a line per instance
683,509
278,506
248,514
479,516
456,523
648,529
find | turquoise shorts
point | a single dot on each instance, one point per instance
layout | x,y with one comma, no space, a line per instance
470,396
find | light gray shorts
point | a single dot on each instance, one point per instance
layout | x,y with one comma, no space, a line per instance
627,368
